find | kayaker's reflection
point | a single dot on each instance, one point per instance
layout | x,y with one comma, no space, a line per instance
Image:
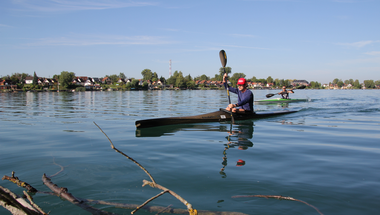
237,139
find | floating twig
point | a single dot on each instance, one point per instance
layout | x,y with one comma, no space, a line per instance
278,197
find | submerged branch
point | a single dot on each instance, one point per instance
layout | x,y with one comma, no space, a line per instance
62,192
279,197
113,147
62,168
149,200
154,185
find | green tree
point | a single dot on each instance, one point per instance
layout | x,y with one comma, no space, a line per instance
340,83
135,83
172,79
35,79
147,74
335,81
204,77
315,85
377,83
66,78
369,84
357,85
254,79
114,78
269,79
180,80
155,75
190,84
226,69
122,75
163,80
188,78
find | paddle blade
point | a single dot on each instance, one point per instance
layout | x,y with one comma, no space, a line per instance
270,95
223,58
301,87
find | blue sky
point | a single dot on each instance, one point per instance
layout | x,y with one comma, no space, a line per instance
315,40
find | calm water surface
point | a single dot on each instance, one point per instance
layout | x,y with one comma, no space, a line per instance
326,155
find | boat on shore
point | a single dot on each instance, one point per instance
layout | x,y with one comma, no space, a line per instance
279,100
221,115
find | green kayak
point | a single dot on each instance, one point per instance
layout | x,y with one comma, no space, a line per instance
279,100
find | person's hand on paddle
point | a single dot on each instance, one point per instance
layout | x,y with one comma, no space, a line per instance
225,77
232,106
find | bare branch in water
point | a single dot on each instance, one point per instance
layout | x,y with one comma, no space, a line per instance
153,183
33,204
149,200
279,197
62,168
113,147
169,206
20,183
62,192
15,204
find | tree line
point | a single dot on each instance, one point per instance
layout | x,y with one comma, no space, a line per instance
179,80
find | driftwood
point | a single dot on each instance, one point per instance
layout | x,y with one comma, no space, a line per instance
15,204
63,192
278,197
19,183
160,209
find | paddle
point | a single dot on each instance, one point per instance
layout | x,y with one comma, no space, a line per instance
223,60
271,94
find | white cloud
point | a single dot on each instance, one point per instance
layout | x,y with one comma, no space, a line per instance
2,25
359,44
89,40
75,5
373,53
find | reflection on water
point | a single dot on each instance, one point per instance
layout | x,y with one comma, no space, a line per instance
238,138
171,129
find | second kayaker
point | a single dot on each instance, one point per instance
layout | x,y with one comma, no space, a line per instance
285,93
245,96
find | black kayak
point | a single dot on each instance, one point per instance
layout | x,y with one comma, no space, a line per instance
218,116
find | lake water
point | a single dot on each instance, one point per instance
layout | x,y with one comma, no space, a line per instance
326,155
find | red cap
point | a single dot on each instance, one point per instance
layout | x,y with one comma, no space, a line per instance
241,81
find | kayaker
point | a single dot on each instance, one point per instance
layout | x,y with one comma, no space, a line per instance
285,93
245,96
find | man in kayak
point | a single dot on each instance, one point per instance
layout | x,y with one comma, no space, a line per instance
285,93
245,97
